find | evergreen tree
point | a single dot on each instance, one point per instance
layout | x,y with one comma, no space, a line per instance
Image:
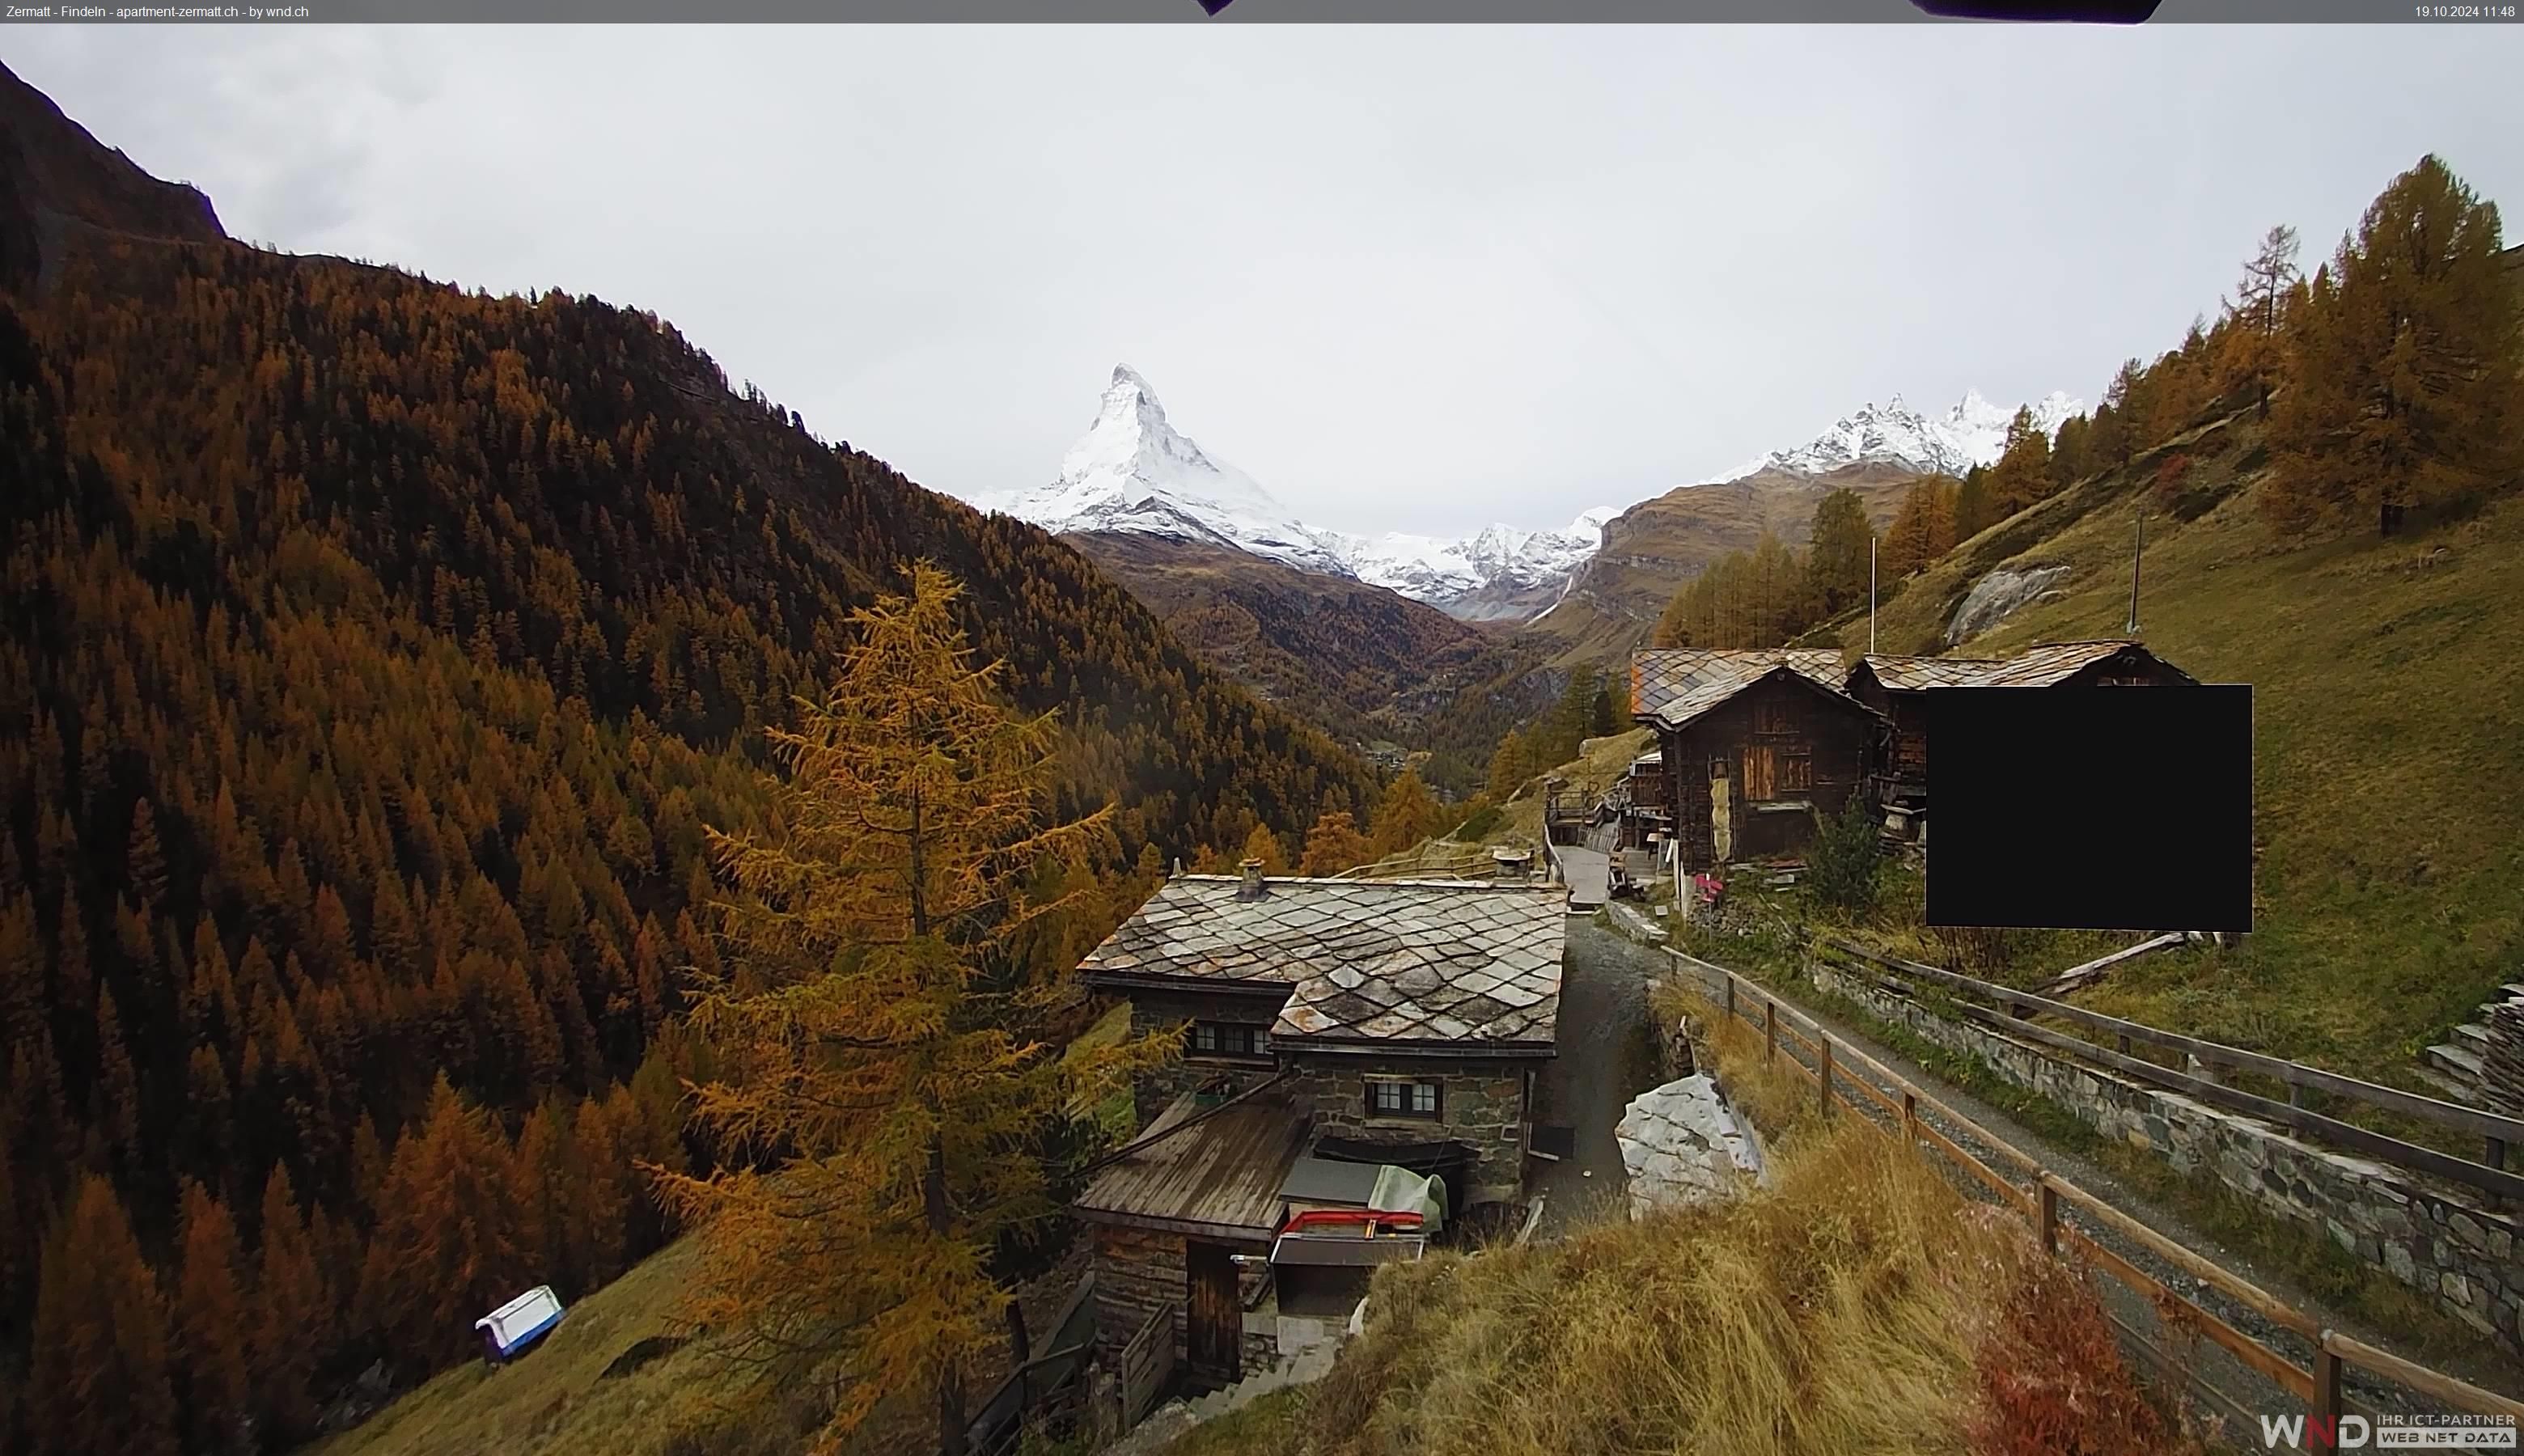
1407,814
289,1324
1335,845
2259,310
2022,475
97,1379
2403,368
1923,529
1509,768
1264,846
209,1325
871,1037
1837,555
2126,398
1975,509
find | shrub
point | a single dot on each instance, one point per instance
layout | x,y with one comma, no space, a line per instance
1847,851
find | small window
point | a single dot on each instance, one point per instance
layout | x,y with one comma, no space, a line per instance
1227,1039
1419,1099
1796,773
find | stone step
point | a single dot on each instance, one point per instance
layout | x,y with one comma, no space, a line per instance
2453,1059
2472,1035
2453,1089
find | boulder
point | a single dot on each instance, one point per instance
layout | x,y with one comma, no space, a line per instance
1684,1144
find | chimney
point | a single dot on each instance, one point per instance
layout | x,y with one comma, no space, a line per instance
1252,887
1512,864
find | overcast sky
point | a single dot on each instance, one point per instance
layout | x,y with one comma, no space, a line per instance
1408,278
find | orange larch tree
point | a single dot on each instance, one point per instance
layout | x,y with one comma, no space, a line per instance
885,1088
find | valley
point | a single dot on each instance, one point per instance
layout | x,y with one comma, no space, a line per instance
491,803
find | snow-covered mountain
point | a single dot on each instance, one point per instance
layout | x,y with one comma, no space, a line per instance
1971,433
1134,472
1502,562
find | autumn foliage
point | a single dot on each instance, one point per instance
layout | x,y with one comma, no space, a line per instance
372,654
891,1073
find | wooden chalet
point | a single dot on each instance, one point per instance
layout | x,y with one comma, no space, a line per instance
1898,687
1758,745
1369,1022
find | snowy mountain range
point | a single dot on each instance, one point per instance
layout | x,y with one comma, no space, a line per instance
1132,473
1971,433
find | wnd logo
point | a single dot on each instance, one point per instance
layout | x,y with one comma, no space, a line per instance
2329,1433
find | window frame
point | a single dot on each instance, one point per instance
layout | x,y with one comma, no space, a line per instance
1256,1040
1409,1089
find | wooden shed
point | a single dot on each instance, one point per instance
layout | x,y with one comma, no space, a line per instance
1898,687
1171,1213
1759,745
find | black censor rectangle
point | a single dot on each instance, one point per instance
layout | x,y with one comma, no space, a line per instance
2100,809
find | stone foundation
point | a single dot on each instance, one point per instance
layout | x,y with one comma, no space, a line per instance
1483,1106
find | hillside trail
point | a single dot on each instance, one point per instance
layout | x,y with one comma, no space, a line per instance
2224,1389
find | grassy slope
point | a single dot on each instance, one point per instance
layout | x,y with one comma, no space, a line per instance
552,1399
2389,739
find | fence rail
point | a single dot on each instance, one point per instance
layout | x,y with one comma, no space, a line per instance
2498,1132
2040,1199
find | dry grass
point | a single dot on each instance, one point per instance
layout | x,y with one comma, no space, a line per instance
1838,1312
1858,1305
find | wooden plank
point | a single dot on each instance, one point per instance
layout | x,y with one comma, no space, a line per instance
2092,971
2245,1292
2419,1378
2446,1114
2288,1376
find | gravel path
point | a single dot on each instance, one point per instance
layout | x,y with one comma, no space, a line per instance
1603,1023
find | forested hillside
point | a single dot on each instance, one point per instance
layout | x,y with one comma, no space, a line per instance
1365,663
372,654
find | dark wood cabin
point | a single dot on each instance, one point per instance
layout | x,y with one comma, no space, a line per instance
1897,687
1759,746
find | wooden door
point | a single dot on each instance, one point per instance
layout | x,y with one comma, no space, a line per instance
1214,1332
1761,774
1722,820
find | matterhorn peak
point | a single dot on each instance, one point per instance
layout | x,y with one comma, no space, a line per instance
1133,471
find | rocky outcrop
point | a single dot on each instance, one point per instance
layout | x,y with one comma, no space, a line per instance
1998,596
1683,1143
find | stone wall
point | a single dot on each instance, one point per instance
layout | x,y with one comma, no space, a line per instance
1139,1270
1159,1010
2446,1245
1481,1105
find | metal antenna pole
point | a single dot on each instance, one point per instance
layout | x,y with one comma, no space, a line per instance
2138,549
1870,594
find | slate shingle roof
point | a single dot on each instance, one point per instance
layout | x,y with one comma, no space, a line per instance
2037,667
2045,663
1918,674
1673,686
1420,962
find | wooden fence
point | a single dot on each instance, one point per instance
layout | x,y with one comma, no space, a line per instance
2040,1197
1148,1364
1047,1391
2498,1132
